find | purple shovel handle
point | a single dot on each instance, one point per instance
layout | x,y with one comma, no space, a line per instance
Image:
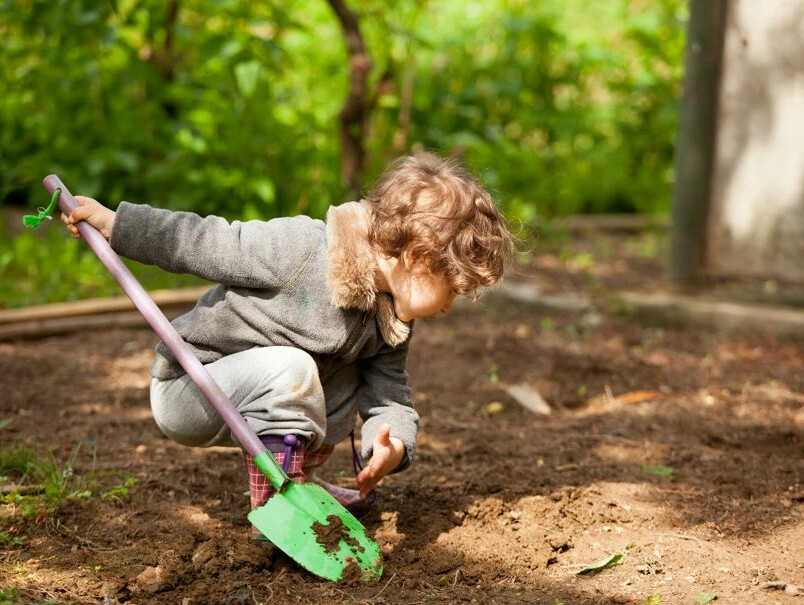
154,316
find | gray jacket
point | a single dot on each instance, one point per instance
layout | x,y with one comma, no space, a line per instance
288,281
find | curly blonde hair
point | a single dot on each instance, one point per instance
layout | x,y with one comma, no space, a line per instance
439,212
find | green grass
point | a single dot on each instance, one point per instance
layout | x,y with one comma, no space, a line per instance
44,483
41,483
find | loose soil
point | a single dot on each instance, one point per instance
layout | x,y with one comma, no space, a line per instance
500,505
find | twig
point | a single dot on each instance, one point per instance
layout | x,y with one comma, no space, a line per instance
384,587
684,537
609,395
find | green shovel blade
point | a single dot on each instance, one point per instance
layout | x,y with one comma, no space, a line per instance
316,531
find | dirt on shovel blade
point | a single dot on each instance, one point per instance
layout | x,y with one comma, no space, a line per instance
330,535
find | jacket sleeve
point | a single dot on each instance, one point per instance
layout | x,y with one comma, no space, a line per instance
384,397
253,254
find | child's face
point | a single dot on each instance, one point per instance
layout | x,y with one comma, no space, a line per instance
422,295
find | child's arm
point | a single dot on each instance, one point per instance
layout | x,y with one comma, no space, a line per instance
255,254
389,420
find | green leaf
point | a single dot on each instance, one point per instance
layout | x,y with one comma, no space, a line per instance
661,471
247,75
704,597
265,189
654,599
611,561
5,423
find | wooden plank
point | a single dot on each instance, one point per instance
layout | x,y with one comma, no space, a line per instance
40,328
96,306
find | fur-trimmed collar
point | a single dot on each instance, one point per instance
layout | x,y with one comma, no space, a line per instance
351,269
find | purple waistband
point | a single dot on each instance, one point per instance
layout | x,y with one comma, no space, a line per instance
286,444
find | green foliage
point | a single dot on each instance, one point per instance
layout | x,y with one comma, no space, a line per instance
598,566
9,595
232,108
8,541
661,471
566,107
46,266
42,483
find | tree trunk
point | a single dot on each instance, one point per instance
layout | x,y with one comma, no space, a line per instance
355,111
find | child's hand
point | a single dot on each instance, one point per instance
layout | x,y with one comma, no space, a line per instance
92,212
388,453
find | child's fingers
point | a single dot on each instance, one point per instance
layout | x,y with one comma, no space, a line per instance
80,214
366,480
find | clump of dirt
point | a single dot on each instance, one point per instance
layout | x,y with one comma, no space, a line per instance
353,574
329,535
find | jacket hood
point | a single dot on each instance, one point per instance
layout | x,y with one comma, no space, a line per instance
352,266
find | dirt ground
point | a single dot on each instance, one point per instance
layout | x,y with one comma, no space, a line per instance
500,506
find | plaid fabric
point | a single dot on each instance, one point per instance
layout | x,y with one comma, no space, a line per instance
260,487
317,458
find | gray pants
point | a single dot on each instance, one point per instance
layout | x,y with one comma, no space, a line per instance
276,389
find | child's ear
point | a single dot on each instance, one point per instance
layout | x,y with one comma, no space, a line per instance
406,259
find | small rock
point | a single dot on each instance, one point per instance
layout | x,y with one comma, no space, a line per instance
495,407
148,580
529,398
791,589
141,449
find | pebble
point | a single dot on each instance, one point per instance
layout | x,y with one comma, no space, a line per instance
148,580
495,407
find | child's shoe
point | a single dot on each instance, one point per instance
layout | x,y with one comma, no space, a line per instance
348,498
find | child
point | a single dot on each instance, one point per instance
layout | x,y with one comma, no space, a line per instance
310,321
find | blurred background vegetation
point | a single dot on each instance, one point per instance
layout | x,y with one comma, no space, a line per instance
228,107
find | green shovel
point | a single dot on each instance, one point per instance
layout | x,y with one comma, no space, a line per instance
303,520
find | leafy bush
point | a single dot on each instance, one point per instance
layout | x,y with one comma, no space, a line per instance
232,108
